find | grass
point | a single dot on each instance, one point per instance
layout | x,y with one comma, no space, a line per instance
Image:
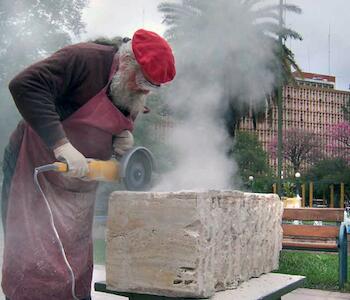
320,269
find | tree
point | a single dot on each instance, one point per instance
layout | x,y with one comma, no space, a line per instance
339,145
30,30
299,147
252,160
33,29
232,46
329,171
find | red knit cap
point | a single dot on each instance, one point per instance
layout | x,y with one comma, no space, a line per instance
154,56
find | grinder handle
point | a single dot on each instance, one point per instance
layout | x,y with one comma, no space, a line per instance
104,170
61,166
100,170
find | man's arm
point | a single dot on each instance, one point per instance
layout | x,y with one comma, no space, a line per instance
36,90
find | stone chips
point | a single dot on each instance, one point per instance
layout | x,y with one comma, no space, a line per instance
190,244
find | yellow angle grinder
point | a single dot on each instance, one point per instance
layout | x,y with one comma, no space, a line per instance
134,169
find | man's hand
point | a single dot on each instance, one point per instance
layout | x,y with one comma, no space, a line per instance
123,142
77,163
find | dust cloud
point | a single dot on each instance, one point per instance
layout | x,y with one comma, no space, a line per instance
223,54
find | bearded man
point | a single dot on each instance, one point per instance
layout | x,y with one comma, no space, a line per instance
79,103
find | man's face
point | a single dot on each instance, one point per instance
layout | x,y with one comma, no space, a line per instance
133,85
125,91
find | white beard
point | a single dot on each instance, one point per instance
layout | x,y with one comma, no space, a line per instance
124,98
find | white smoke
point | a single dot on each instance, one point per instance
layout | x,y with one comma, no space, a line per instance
200,144
221,58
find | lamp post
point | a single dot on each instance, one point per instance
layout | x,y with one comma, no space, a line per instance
280,105
251,179
297,176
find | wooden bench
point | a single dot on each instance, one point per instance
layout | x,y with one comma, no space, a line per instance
330,237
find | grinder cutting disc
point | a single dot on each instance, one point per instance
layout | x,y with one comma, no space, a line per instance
137,168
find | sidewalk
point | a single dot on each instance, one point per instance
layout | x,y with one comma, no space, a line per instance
310,294
100,275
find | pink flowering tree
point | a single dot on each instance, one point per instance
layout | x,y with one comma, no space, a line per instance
339,145
299,147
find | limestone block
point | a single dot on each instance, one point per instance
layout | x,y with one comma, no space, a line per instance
190,244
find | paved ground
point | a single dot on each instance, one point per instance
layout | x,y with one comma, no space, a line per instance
308,294
100,275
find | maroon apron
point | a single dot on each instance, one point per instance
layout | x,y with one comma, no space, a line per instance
33,266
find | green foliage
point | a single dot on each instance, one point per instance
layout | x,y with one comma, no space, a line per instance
327,172
289,188
32,29
251,157
321,270
330,170
262,184
252,160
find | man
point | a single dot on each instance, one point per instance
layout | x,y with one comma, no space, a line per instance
79,103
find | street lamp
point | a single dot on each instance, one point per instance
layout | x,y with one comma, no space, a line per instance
297,176
251,179
280,104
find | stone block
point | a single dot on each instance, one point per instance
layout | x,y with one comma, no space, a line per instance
190,244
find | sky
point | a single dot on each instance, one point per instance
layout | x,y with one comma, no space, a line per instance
122,17
318,19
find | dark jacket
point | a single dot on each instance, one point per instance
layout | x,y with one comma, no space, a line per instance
50,90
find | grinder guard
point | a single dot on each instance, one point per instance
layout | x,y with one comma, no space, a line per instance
137,166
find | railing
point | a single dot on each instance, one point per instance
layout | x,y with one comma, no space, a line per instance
316,202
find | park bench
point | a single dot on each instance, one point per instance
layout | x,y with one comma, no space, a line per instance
331,236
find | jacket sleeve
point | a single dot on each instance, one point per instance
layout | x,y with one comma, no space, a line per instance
36,90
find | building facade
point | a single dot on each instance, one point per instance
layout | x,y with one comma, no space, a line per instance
312,105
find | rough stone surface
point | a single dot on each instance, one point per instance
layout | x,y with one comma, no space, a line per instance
190,244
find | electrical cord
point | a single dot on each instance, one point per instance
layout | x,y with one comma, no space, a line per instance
53,167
